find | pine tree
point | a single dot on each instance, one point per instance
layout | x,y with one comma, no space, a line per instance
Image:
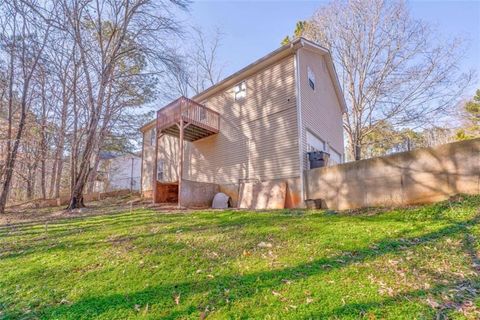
471,114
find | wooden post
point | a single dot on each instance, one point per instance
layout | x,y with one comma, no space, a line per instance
180,163
154,180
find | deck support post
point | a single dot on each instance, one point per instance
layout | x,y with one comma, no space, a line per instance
188,120
154,178
180,164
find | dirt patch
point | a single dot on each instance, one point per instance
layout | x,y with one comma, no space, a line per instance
22,215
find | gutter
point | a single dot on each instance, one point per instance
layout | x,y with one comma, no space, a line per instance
264,62
243,73
299,127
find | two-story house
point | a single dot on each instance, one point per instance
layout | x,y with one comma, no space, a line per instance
250,131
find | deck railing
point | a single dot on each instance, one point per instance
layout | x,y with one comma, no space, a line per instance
189,111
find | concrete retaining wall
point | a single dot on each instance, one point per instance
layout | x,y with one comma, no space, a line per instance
231,190
271,194
294,193
419,176
263,195
198,194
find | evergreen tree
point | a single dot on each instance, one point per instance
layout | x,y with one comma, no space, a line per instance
471,115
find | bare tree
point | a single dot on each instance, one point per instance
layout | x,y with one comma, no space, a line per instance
107,34
196,66
393,67
205,60
24,39
73,73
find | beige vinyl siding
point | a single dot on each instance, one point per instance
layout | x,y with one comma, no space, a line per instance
320,108
258,136
168,152
147,162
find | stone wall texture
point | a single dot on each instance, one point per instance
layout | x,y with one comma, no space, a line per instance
420,176
198,194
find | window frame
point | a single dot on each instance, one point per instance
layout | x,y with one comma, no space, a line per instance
153,134
311,78
160,169
310,146
332,152
240,91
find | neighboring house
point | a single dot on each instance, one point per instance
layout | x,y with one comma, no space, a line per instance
256,125
118,172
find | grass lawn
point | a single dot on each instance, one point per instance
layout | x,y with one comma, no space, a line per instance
415,263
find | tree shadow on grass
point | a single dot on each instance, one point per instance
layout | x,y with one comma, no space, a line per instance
461,293
92,222
243,286
55,236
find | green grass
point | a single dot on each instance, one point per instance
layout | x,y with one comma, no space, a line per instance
416,263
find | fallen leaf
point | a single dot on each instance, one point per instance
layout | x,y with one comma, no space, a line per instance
145,311
177,299
264,245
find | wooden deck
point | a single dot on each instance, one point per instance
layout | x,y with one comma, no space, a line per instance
187,120
197,120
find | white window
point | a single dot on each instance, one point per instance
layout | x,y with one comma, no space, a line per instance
152,137
311,78
335,157
160,165
240,91
314,143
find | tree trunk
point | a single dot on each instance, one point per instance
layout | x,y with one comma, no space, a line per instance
358,152
58,164
53,177
12,156
43,168
93,175
31,181
43,141
74,142
76,198
58,178
354,149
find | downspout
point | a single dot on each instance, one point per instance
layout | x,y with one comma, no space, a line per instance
155,159
131,176
141,165
299,127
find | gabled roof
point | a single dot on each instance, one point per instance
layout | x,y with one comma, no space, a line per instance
271,58
331,68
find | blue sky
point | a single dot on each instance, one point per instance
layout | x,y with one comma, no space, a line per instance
254,28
